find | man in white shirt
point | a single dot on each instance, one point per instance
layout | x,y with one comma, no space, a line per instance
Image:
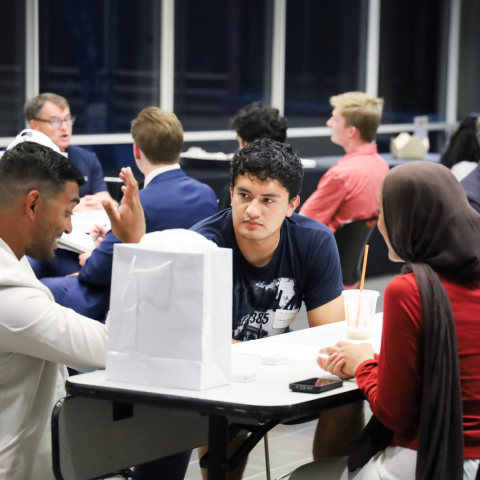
38,191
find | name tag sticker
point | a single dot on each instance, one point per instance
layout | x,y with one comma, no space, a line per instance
283,318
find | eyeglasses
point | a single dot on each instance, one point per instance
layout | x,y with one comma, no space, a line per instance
56,122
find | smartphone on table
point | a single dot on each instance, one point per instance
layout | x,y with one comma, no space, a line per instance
316,385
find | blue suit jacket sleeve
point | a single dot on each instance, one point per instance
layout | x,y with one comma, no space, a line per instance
98,268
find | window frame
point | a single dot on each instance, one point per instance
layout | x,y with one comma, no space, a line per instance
32,73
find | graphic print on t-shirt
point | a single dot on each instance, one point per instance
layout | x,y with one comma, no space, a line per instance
280,294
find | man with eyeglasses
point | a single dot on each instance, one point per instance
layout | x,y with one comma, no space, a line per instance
49,113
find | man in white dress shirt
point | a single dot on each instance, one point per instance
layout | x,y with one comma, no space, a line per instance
38,191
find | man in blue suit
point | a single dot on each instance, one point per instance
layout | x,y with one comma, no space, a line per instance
170,199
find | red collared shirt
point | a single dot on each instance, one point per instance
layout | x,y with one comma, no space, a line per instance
349,190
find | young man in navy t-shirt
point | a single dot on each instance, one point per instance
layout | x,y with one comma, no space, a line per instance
279,259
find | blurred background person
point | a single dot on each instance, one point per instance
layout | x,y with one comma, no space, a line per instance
463,151
259,120
50,114
471,183
349,189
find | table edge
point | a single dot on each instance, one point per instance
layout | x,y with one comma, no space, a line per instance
213,407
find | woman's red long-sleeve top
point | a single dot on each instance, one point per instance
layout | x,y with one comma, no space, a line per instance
392,382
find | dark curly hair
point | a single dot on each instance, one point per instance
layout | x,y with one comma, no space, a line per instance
259,120
267,159
30,166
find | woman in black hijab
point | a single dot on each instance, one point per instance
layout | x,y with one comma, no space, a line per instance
424,387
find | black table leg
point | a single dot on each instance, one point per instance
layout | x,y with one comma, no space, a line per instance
217,447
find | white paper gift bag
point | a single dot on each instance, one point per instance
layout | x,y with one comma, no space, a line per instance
170,318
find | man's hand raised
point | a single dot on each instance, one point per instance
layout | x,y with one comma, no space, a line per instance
128,221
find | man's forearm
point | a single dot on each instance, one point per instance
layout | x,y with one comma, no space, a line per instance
331,312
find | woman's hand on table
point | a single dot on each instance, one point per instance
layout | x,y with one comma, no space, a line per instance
344,358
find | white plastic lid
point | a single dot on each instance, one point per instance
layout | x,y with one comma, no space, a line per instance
274,359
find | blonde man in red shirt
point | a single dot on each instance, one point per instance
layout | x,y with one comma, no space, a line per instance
349,190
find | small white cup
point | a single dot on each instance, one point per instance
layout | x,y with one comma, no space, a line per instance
359,326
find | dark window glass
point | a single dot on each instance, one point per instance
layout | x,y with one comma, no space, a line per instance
413,45
325,55
12,67
222,59
103,56
469,68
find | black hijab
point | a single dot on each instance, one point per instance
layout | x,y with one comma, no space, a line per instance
431,226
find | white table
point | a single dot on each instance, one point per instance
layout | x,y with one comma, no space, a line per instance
106,426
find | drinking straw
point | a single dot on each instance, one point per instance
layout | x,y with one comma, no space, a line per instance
362,281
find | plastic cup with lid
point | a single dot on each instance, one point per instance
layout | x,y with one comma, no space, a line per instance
359,325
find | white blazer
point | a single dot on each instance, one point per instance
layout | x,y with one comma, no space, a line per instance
37,339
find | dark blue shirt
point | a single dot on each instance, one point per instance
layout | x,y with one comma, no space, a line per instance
91,168
471,185
305,266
